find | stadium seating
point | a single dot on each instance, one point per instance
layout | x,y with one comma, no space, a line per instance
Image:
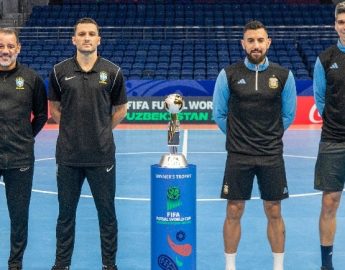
190,59
154,57
216,14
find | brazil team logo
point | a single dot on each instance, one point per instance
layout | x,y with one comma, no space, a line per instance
273,83
20,83
103,77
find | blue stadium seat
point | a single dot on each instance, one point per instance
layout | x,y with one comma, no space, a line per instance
200,52
40,60
302,73
26,59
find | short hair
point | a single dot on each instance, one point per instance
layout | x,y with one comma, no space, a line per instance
339,8
86,20
10,31
254,25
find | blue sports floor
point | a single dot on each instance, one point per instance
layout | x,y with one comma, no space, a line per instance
136,151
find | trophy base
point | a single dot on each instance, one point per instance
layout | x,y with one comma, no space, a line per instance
173,161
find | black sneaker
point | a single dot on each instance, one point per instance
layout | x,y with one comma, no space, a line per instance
325,268
14,267
109,267
60,267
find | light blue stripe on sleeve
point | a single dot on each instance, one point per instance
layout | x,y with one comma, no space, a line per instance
319,86
221,97
289,100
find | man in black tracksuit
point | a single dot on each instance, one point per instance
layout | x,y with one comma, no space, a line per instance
88,99
22,93
329,93
254,102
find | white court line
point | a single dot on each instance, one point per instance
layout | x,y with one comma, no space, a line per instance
84,196
294,156
184,151
43,159
148,199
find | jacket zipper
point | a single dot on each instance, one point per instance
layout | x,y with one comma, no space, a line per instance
256,77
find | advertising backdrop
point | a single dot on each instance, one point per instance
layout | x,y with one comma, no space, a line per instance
146,102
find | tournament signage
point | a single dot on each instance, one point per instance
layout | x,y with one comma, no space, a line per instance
151,110
198,110
146,106
307,112
173,201
173,218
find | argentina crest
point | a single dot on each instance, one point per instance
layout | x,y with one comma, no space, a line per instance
273,83
20,83
103,77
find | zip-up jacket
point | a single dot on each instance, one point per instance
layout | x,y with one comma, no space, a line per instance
23,113
329,92
253,105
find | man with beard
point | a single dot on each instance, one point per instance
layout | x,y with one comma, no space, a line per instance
329,93
254,101
22,94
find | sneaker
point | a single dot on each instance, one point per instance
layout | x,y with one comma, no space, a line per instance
325,268
60,267
109,267
14,267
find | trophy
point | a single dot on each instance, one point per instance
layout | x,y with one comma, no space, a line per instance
174,104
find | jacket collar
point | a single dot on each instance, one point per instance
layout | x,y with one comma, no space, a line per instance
341,46
95,67
255,67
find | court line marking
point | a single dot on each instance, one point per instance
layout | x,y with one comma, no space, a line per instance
147,199
184,150
185,137
295,156
83,196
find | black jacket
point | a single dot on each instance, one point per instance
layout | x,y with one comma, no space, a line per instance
23,113
333,62
255,124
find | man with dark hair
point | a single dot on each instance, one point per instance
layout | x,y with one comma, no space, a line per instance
329,93
254,102
88,99
22,94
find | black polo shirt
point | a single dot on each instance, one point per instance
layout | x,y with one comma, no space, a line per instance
86,99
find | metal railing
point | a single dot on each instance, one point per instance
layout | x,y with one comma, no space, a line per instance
182,32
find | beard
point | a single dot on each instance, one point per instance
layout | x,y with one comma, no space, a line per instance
8,61
256,60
